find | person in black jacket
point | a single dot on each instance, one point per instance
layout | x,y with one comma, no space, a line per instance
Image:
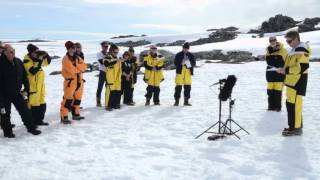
127,79
12,77
184,62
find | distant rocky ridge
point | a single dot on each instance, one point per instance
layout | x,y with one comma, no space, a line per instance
127,36
216,54
133,43
281,23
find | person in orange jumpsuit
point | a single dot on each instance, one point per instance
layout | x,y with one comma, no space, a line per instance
73,67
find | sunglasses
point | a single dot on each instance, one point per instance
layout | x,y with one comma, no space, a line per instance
116,52
272,40
105,46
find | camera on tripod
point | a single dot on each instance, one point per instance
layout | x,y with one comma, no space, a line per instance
224,128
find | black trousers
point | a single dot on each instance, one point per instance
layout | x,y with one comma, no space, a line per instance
38,113
102,80
23,110
153,91
127,91
274,99
178,89
114,99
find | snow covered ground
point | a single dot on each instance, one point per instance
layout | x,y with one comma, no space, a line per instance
158,142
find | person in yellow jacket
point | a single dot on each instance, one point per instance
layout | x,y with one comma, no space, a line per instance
184,62
72,68
275,58
33,62
296,72
113,78
153,75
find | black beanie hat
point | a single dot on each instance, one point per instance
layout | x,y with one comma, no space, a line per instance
31,48
186,45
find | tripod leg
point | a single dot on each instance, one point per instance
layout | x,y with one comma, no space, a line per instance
206,130
240,126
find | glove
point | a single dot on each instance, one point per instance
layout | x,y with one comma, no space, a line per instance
2,111
25,95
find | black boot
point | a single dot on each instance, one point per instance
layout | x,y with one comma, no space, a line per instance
34,131
176,103
292,132
65,120
147,102
77,117
98,102
42,123
108,108
186,102
10,135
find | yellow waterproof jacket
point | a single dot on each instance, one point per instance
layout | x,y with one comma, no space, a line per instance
153,74
36,75
113,72
275,58
296,68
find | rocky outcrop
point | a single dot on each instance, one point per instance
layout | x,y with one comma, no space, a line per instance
127,36
133,43
276,24
282,23
230,56
230,28
309,24
217,36
176,43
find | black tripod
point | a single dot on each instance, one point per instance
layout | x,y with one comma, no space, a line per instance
223,128
228,124
220,134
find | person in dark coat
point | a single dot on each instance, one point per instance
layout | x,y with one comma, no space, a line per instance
184,62
12,77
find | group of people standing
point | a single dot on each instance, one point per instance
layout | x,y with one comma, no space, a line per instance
118,74
289,69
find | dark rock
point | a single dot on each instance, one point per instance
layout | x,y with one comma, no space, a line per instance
55,57
309,24
176,43
133,43
217,36
55,73
282,23
278,23
230,28
124,36
33,41
239,56
315,60
210,55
